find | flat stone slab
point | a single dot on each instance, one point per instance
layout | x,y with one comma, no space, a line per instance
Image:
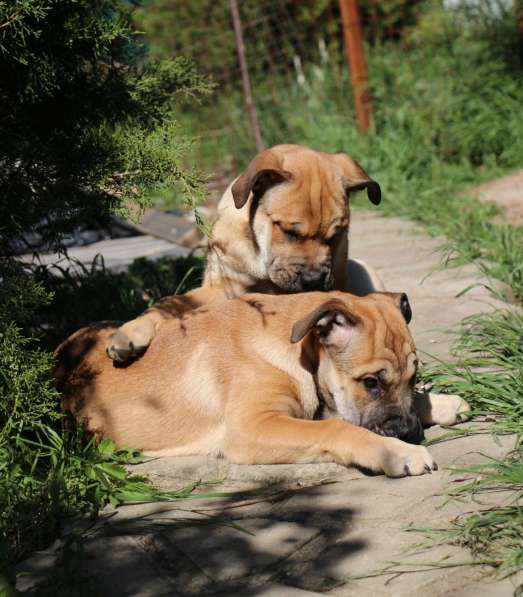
115,255
307,527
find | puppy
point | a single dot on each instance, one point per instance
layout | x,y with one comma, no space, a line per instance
246,378
282,228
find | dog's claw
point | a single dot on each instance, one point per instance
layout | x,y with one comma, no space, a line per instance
407,470
428,469
435,466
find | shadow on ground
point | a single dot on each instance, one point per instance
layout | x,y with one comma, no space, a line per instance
235,545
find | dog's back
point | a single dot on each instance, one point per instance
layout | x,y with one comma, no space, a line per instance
175,393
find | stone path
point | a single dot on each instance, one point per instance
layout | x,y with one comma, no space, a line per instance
306,529
507,192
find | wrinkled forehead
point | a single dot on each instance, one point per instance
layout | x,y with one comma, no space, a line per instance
314,197
386,344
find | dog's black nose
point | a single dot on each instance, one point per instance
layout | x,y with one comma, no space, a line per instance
314,279
412,432
405,427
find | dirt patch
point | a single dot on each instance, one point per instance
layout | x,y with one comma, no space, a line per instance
507,192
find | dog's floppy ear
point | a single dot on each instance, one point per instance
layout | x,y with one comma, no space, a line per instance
263,172
401,300
356,179
332,323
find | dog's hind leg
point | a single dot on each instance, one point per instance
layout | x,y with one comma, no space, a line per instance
440,409
362,279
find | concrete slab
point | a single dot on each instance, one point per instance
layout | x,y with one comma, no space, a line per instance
116,254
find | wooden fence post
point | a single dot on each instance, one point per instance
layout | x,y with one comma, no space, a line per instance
357,64
247,90
518,12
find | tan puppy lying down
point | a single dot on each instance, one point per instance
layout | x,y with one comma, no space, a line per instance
246,379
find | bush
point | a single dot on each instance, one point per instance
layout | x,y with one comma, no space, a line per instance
88,130
88,123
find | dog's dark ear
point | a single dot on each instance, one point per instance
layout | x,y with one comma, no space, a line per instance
263,173
401,300
332,323
356,179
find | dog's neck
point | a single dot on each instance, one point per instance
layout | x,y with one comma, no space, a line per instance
235,266
232,275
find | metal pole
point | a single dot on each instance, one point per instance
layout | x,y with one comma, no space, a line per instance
247,91
357,64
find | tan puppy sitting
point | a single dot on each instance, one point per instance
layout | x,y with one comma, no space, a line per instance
282,227
246,378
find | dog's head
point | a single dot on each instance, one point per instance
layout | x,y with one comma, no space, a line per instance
365,361
298,213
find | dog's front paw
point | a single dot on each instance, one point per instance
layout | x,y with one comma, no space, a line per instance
129,341
400,459
446,409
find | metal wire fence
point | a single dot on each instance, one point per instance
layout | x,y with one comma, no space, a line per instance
290,50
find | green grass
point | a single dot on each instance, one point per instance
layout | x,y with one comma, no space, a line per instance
488,373
495,534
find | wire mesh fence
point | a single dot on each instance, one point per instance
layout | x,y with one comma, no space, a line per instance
295,56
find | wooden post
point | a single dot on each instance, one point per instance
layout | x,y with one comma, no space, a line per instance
518,12
358,66
247,90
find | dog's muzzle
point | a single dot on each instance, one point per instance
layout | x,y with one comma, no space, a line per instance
406,427
317,279
303,279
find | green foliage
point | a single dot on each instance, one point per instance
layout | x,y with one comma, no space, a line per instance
26,395
88,129
87,122
46,471
493,534
274,30
497,533
488,368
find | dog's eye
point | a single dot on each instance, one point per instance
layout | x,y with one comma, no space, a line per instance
289,234
371,383
373,386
